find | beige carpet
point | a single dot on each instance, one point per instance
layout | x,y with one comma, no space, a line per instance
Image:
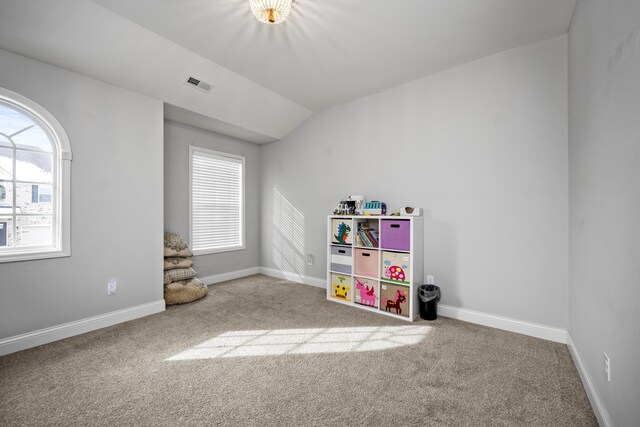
325,364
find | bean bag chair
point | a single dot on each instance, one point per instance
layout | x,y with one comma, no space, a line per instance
184,291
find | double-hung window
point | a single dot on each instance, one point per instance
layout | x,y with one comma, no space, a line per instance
217,201
35,160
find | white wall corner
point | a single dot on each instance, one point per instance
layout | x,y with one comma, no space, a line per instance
505,323
294,277
592,393
66,330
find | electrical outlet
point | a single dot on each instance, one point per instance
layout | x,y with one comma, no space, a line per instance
430,280
112,286
310,259
607,367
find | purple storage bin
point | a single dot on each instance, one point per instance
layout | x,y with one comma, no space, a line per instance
395,234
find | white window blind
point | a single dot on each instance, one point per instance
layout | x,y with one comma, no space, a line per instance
217,201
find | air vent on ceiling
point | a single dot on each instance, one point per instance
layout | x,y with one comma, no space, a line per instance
198,84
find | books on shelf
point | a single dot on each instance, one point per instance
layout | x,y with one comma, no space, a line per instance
362,239
374,238
367,236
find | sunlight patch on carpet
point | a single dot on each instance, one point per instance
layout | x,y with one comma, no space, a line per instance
277,342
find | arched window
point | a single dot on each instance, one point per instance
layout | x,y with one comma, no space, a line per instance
35,160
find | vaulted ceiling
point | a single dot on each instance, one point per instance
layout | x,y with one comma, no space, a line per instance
331,51
269,79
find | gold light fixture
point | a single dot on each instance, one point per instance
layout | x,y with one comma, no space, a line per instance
270,11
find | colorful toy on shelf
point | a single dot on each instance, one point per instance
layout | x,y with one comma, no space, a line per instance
358,203
367,294
399,298
394,272
352,205
375,208
343,233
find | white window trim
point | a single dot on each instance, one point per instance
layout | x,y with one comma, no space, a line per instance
62,237
192,149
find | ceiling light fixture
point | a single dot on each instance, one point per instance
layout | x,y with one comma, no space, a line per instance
270,11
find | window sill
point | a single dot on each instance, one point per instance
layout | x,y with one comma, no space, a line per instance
216,251
35,255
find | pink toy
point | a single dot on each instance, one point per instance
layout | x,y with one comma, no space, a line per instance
399,298
367,295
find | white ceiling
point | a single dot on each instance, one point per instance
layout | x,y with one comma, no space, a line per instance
268,79
84,37
332,51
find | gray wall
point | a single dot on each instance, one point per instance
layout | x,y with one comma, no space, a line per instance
481,147
116,202
178,138
604,155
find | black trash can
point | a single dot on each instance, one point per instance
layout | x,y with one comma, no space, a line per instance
429,296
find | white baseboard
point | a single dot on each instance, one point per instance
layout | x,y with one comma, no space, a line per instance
504,323
66,330
294,277
596,403
217,278
471,316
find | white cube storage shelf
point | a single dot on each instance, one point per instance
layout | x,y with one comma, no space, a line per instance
383,278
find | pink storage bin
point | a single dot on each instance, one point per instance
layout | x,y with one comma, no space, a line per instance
366,262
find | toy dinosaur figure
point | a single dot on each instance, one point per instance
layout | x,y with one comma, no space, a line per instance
343,233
